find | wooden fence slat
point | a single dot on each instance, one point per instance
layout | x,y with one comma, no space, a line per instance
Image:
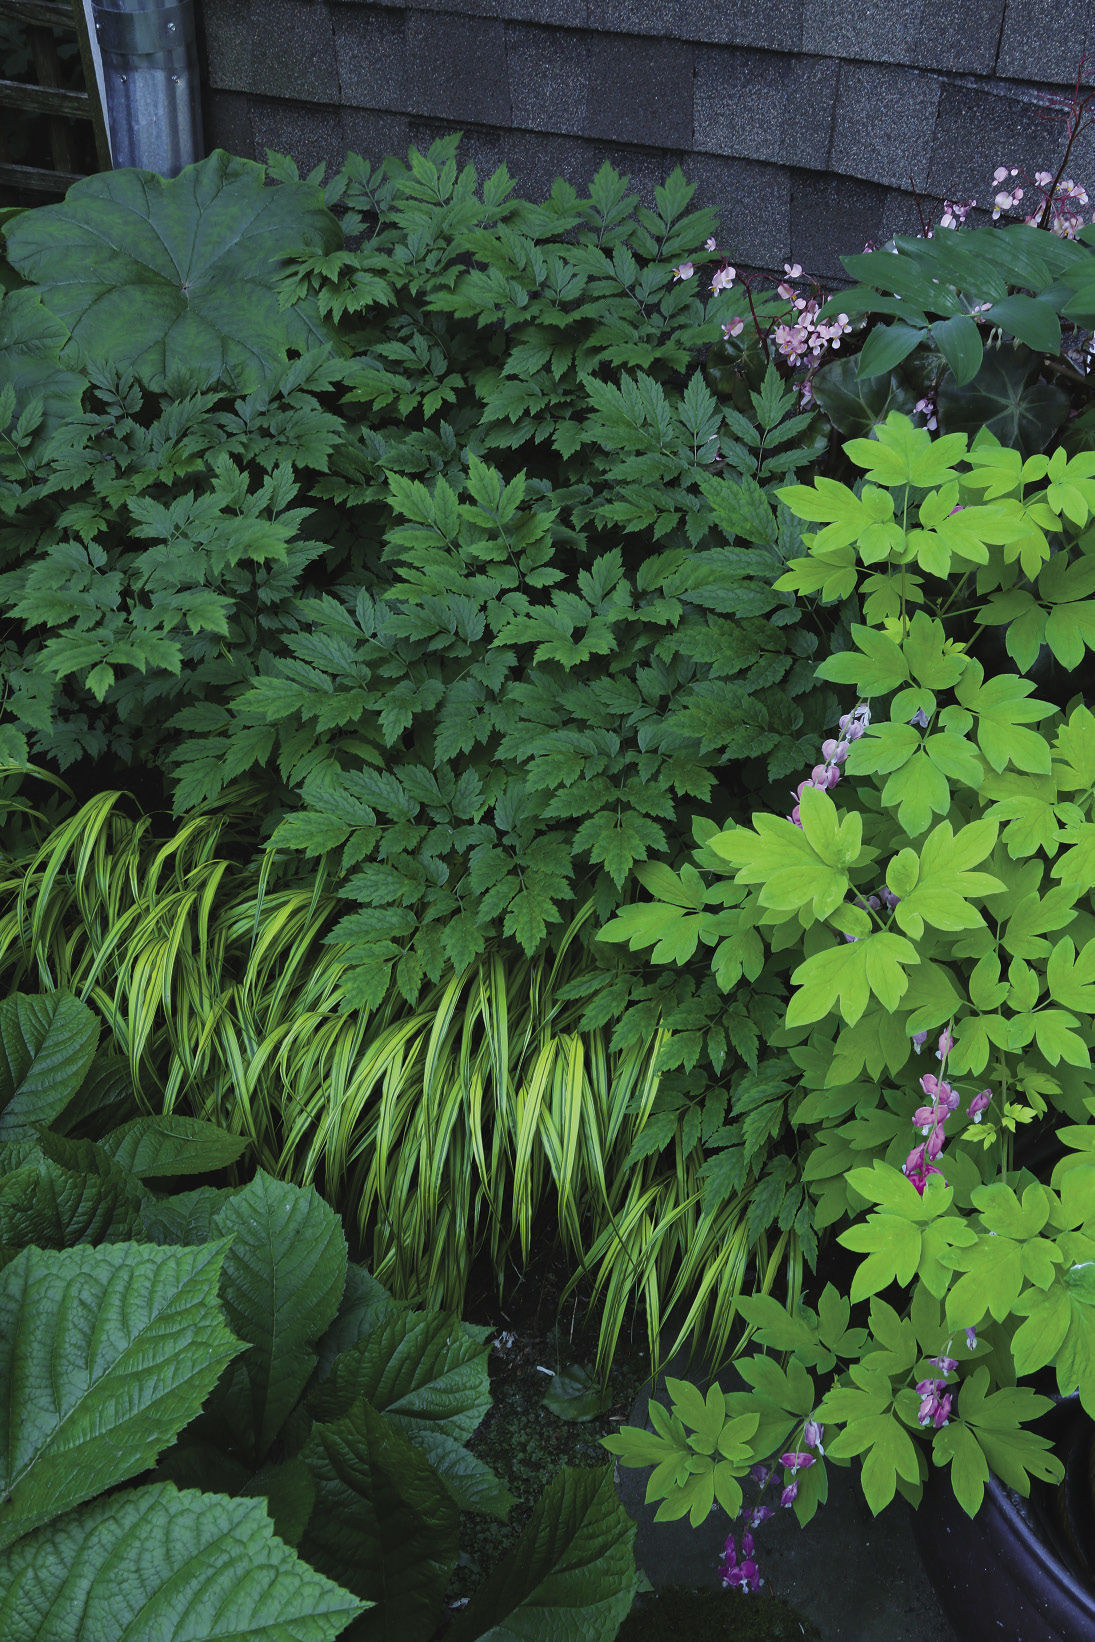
46,13
74,105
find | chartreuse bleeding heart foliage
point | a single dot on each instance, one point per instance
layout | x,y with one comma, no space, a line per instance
449,615
948,886
477,1120
294,1436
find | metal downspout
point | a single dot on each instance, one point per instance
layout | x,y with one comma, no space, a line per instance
146,63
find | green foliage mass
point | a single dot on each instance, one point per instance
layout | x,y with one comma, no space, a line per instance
294,1436
534,610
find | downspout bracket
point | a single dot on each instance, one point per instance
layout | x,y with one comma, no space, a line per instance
144,33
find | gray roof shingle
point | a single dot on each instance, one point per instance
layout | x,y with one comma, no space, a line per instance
764,105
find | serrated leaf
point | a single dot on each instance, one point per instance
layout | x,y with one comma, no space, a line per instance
169,1144
74,1417
156,1562
282,1282
383,1523
47,1046
573,1567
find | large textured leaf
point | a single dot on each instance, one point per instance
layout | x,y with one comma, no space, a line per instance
157,1565
158,274
105,1354
383,1524
64,1192
413,1364
31,340
570,1575
47,1045
171,1145
282,1282
105,1098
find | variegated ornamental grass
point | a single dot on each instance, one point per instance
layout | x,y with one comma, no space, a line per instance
439,1130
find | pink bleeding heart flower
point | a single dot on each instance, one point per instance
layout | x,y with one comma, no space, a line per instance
789,1494
978,1104
946,1043
812,1435
971,1339
796,1461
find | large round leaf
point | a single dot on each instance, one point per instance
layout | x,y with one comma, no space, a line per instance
160,275
31,339
1007,397
856,405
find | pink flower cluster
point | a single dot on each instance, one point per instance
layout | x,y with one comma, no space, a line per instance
1065,218
935,1401
826,774
744,1576
807,335
932,1120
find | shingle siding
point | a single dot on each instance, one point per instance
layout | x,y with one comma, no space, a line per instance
801,123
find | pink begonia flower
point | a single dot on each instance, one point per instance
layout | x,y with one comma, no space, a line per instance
786,291
733,327
793,270
684,271
723,280
977,1105
709,244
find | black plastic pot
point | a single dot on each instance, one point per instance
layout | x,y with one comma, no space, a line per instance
1019,1571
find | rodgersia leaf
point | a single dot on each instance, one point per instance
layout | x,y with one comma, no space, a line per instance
75,1418
156,1562
572,1572
47,1045
383,1522
282,1284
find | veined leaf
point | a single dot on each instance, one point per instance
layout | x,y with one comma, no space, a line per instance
75,1417
47,1045
282,1282
156,1562
571,1572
